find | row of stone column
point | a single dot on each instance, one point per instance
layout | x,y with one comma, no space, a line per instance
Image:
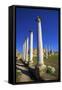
26,46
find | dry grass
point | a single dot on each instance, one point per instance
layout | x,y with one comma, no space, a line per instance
53,61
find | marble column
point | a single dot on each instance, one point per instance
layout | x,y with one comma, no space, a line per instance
27,49
24,51
46,53
40,68
40,42
31,47
49,50
23,55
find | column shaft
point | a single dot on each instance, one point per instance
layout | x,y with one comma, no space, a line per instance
27,49
24,47
40,43
31,47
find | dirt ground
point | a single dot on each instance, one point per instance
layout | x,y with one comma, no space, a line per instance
23,74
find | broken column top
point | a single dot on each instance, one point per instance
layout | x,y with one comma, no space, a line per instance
30,31
38,18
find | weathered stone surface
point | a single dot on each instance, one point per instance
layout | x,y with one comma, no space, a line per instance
31,64
40,70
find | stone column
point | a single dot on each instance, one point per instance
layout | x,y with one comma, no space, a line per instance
40,68
27,50
31,47
49,50
24,51
23,55
46,53
40,42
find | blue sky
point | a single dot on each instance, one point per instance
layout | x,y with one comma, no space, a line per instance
26,21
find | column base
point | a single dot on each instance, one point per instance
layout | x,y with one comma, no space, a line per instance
26,63
40,69
30,63
43,72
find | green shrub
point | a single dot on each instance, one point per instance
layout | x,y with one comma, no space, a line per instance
50,69
18,72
